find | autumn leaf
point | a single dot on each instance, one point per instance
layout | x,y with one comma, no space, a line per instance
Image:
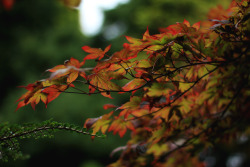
185,86
54,91
71,70
134,103
123,56
120,126
99,124
197,25
157,149
108,106
95,52
163,113
33,95
157,134
130,107
160,89
40,91
133,85
102,83
175,114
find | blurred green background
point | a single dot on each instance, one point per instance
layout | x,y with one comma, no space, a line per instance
37,35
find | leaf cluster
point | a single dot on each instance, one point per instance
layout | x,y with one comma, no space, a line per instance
188,87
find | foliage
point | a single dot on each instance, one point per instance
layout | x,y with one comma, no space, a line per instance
188,86
152,14
11,134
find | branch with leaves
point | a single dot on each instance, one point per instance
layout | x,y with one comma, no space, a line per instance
11,134
188,87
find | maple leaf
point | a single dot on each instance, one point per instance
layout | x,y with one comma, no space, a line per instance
163,113
40,90
157,134
130,106
157,149
120,126
134,85
54,91
71,69
108,106
184,86
33,95
149,43
136,44
123,55
99,124
102,83
160,89
95,52
134,103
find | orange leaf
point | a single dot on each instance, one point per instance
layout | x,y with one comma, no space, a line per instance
95,52
134,103
108,106
54,91
20,104
32,96
73,62
120,126
133,85
72,77
197,25
101,82
186,23
100,123
54,69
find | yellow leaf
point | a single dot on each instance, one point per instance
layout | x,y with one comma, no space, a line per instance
159,89
184,86
157,149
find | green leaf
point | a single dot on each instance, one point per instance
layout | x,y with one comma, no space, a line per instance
160,89
132,104
185,86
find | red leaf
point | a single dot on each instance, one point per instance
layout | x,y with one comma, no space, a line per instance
197,25
54,91
108,106
186,23
73,62
95,52
20,104
120,126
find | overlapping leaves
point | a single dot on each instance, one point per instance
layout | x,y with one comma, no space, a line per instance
177,81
